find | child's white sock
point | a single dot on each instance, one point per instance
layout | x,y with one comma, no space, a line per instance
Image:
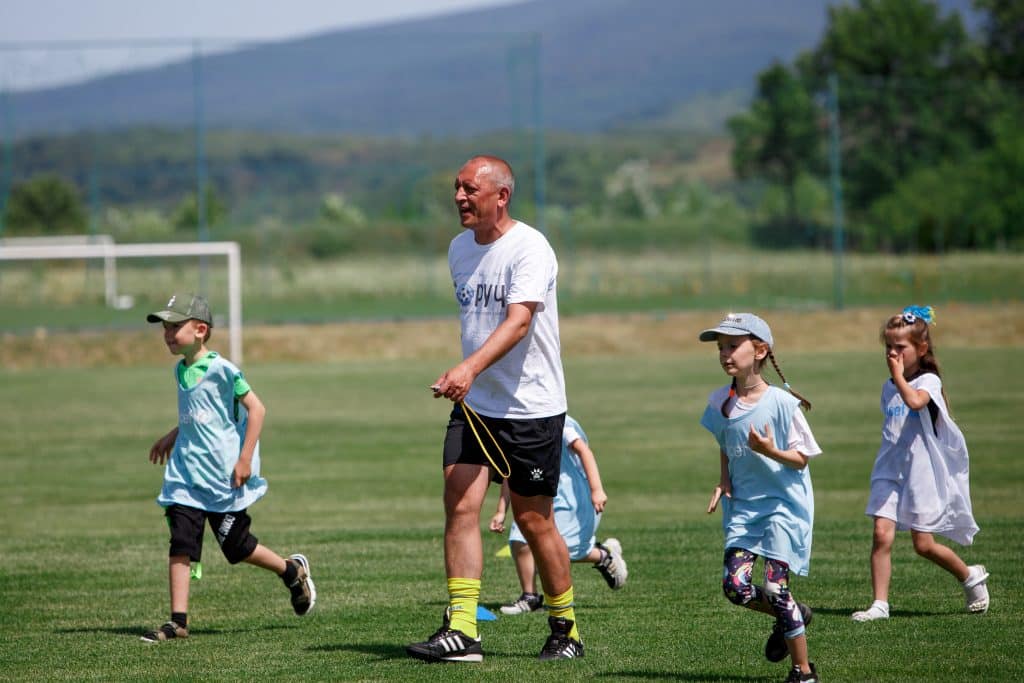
975,589
976,574
879,610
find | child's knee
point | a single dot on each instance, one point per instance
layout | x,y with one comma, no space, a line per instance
922,540
736,592
233,536
518,548
924,545
779,598
777,595
736,583
884,530
238,549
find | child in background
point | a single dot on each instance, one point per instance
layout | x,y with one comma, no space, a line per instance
920,478
213,465
765,489
578,506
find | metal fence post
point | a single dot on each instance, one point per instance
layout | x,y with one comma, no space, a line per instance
201,182
838,239
7,171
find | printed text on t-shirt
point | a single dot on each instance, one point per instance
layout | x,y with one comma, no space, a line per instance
483,296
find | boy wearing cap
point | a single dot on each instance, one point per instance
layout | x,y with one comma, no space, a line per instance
212,468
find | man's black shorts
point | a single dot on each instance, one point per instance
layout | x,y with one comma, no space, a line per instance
533,448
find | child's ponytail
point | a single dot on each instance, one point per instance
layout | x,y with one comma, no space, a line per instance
804,403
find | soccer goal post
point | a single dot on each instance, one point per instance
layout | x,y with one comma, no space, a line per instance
110,294
26,252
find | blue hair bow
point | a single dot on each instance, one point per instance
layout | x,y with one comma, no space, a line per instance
925,313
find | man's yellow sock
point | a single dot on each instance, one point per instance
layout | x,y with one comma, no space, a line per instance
562,606
463,596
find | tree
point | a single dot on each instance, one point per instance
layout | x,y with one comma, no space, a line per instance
336,209
969,203
780,137
906,90
1002,61
45,205
1003,30
186,215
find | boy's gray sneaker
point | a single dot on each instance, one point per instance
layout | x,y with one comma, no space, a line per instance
524,604
303,590
560,645
612,567
168,631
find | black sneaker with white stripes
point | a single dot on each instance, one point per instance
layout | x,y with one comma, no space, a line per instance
560,645
447,645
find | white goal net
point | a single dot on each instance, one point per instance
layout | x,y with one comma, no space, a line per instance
96,247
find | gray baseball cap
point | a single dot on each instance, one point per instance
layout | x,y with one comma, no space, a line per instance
181,307
740,324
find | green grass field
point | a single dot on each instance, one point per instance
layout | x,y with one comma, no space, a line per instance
352,453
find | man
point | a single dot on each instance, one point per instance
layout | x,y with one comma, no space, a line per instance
504,273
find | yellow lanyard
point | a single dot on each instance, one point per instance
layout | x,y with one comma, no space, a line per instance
470,414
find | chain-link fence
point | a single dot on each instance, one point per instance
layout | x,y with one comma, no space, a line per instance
893,197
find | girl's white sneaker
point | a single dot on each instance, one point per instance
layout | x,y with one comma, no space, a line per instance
876,611
976,590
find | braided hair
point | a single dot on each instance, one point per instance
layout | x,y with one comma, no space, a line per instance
804,403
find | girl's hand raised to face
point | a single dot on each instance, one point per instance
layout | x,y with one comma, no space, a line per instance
894,359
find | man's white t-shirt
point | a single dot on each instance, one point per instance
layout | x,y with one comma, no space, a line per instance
519,267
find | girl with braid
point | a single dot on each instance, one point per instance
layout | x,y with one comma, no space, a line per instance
765,489
920,478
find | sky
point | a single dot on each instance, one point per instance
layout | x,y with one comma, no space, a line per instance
39,38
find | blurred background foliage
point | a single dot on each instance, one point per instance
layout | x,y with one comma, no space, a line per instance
930,151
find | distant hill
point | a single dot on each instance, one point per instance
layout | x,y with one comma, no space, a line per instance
602,64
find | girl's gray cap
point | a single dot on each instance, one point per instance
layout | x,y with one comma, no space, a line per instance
739,324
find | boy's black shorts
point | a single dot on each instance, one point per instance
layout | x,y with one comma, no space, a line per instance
533,448
230,528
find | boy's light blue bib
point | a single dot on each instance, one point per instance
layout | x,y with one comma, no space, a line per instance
211,429
771,512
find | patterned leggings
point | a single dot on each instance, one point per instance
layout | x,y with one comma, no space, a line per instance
736,577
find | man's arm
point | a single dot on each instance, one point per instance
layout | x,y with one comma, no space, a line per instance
456,382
